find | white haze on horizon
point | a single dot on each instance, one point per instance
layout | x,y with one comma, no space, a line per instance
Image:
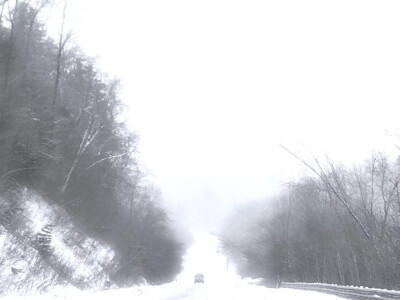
215,86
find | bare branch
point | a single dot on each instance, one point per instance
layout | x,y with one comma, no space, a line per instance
103,159
339,195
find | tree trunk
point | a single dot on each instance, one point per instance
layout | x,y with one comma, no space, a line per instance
10,50
340,268
356,270
324,271
61,44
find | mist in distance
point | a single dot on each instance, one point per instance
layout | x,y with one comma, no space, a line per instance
215,87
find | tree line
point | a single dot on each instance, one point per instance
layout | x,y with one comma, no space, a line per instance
336,225
61,135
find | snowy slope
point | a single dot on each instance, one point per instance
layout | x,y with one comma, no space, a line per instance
40,248
204,256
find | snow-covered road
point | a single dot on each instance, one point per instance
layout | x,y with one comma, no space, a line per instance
221,282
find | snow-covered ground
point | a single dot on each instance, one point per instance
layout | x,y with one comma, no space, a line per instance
29,223
204,256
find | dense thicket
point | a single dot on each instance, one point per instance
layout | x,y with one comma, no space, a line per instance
61,135
341,225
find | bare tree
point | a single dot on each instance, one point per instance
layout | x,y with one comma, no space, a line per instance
10,49
333,185
62,41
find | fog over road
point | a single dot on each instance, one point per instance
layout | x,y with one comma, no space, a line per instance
221,280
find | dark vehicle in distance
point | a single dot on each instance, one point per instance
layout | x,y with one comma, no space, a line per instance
199,278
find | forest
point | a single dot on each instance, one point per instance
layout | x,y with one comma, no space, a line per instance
337,224
62,137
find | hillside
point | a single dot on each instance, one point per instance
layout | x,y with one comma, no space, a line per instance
75,203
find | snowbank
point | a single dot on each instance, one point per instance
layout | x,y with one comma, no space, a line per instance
40,248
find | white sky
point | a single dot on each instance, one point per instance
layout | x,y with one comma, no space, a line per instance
215,86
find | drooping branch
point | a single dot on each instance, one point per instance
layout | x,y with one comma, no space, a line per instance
325,180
